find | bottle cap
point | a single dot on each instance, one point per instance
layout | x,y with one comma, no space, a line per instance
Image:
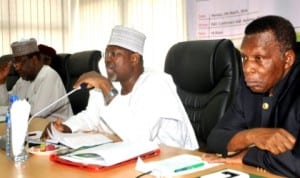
13,98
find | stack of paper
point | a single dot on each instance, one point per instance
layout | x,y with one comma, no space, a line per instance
77,140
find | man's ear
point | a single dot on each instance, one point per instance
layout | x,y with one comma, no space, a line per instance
36,61
289,57
135,58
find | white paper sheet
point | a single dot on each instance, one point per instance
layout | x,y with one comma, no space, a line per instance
168,167
225,173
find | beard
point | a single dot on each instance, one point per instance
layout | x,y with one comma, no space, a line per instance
112,77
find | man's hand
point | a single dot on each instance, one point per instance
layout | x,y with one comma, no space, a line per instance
94,79
274,140
58,125
4,70
213,158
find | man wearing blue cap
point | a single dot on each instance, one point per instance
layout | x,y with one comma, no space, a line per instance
146,108
39,84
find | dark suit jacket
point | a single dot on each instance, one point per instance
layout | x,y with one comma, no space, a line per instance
247,112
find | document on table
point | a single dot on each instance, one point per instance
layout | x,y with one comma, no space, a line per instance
111,153
174,166
77,140
227,173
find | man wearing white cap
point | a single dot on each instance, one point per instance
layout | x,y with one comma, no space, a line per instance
146,108
39,84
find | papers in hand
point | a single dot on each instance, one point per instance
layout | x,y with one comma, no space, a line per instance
77,140
174,166
111,153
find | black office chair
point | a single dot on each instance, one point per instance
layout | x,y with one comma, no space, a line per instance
297,51
58,63
77,64
206,73
13,76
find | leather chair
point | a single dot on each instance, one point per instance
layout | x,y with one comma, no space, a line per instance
77,64
58,63
298,50
13,76
206,73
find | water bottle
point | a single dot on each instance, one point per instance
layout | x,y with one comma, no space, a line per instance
12,99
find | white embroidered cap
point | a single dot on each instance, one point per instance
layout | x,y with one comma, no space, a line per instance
127,38
24,47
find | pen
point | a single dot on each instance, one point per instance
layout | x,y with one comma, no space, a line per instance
190,167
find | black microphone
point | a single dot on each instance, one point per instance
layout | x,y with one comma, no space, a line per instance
82,86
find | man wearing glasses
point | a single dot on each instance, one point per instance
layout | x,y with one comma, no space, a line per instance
39,84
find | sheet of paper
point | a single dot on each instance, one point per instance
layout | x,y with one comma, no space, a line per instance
174,166
227,173
111,153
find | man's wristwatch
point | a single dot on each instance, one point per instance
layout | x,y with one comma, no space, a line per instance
111,94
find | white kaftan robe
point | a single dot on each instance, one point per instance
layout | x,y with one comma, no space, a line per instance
152,111
45,89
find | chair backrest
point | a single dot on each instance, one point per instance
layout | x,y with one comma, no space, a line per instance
58,63
298,51
77,64
13,76
206,73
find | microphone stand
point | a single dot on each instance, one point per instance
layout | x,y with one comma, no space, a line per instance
66,95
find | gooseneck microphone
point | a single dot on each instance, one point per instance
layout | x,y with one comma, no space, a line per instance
82,86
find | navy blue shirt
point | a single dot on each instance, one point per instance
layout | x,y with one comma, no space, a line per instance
252,110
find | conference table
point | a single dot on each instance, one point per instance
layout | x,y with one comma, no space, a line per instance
38,166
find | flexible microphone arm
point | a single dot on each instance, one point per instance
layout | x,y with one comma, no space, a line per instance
82,86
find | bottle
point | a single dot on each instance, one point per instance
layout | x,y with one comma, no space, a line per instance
12,99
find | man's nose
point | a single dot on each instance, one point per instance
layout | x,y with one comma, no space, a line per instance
249,66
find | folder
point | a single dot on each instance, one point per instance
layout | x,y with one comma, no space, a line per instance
110,155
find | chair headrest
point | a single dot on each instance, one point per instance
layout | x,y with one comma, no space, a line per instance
84,61
192,61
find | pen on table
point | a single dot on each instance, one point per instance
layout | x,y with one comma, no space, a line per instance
194,166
